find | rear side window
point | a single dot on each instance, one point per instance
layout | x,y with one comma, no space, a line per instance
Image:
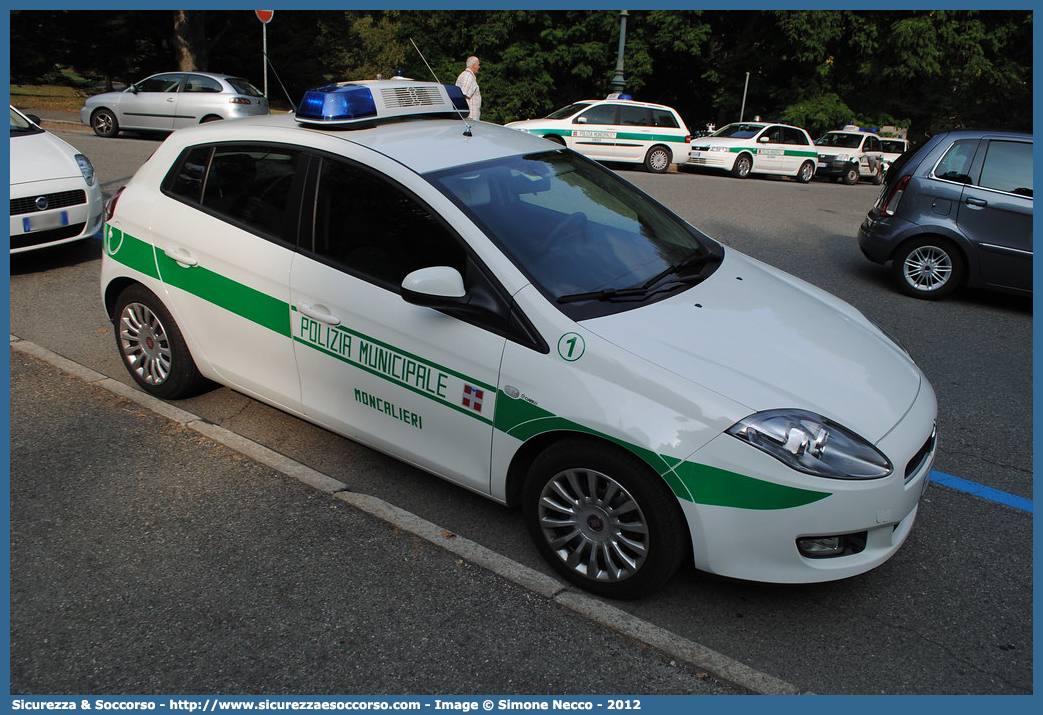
794,136
1008,167
633,116
249,185
199,83
956,164
663,118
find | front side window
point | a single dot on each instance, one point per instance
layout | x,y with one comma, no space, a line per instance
1008,167
375,229
575,228
773,135
160,83
601,114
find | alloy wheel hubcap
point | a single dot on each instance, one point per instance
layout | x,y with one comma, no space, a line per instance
594,525
928,268
144,344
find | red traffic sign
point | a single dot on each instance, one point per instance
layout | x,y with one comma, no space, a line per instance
265,16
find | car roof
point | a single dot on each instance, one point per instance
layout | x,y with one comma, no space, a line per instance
623,101
422,144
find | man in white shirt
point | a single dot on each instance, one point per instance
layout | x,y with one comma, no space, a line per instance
468,83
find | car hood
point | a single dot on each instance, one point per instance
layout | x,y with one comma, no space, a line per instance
39,157
721,141
768,340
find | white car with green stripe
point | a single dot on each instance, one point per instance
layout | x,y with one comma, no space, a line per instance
616,130
516,319
746,148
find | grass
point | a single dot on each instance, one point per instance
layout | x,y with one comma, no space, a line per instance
48,96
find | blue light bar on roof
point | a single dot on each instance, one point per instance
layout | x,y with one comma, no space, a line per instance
337,103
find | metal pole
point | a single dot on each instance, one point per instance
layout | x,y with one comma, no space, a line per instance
618,84
264,26
744,88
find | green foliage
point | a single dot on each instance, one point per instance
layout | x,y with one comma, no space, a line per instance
818,68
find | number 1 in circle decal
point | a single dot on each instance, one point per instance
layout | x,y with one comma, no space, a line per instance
571,346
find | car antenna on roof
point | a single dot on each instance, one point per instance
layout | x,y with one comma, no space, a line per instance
467,131
293,106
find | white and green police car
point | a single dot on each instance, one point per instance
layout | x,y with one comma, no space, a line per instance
616,130
849,155
745,148
517,319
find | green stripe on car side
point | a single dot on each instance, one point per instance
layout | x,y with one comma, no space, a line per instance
632,136
692,482
516,417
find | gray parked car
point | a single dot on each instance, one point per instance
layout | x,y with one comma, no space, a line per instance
957,211
171,100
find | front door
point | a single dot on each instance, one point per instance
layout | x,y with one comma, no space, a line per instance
412,381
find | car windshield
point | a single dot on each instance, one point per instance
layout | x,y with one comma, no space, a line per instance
21,125
739,131
844,141
244,87
568,111
588,240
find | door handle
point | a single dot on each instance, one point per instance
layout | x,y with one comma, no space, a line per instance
977,203
319,312
181,256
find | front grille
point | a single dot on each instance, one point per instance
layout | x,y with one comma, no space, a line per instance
921,456
397,97
59,200
39,237
693,160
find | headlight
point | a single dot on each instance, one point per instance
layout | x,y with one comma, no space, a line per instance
812,444
86,168
843,157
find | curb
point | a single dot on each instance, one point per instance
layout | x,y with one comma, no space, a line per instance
581,603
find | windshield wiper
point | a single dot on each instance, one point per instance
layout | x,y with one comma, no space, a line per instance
647,288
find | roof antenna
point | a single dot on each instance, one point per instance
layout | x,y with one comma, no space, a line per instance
467,131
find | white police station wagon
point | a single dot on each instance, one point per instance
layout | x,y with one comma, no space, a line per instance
519,320
745,148
616,130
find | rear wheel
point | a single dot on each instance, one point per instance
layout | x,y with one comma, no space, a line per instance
152,347
657,160
807,171
928,268
603,519
742,167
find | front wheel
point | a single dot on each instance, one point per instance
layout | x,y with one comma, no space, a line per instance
807,171
603,519
743,166
657,160
104,123
928,268
152,347
851,175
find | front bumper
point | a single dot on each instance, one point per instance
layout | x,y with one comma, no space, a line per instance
711,159
761,544
76,211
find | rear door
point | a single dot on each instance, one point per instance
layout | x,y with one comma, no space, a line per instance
996,212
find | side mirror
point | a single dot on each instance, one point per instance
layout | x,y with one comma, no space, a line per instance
581,120
435,287
764,140
33,118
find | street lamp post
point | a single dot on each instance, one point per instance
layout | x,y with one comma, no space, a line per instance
742,110
618,85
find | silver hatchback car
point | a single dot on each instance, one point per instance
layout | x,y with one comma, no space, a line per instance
172,100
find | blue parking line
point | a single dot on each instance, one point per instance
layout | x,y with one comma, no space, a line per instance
980,490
